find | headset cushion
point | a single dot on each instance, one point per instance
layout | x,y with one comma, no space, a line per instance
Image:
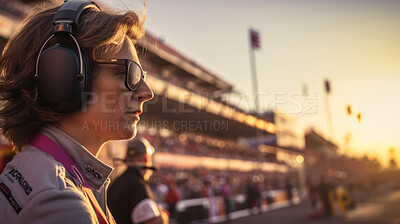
59,84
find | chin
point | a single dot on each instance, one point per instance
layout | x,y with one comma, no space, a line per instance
125,131
134,133
131,133
123,134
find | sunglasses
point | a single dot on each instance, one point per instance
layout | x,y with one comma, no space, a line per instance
134,74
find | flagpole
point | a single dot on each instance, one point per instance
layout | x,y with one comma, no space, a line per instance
252,43
255,43
328,108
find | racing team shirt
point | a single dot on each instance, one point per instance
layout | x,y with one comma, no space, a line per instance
35,188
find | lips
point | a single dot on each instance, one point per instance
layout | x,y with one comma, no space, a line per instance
138,112
134,114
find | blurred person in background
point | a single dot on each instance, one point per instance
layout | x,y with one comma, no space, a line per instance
49,68
159,189
325,190
172,198
288,190
130,197
251,195
312,194
226,195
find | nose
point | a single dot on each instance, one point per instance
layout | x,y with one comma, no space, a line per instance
144,93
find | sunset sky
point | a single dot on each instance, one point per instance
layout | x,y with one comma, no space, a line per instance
353,43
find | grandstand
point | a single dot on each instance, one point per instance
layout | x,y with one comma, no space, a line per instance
196,131
185,105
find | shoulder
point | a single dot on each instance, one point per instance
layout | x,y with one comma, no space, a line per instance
145,210
38,185
33,171
128,188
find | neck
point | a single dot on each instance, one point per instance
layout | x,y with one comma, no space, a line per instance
91,141
143,172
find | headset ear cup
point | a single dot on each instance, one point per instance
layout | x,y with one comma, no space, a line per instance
60,86
64,75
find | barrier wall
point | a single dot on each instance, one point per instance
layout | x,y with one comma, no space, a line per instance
212,209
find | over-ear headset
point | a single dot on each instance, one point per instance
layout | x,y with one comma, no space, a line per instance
63,73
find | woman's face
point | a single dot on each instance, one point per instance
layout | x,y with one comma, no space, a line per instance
114,110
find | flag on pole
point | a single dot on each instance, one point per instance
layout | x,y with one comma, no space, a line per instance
255,39
327,86
359,117
349,110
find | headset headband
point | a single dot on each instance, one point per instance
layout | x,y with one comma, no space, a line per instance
68,15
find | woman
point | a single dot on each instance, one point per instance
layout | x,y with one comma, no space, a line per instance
67,89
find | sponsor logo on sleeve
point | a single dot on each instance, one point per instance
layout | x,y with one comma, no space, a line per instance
7,193
15,175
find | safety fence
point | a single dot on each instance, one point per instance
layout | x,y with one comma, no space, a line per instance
215,209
